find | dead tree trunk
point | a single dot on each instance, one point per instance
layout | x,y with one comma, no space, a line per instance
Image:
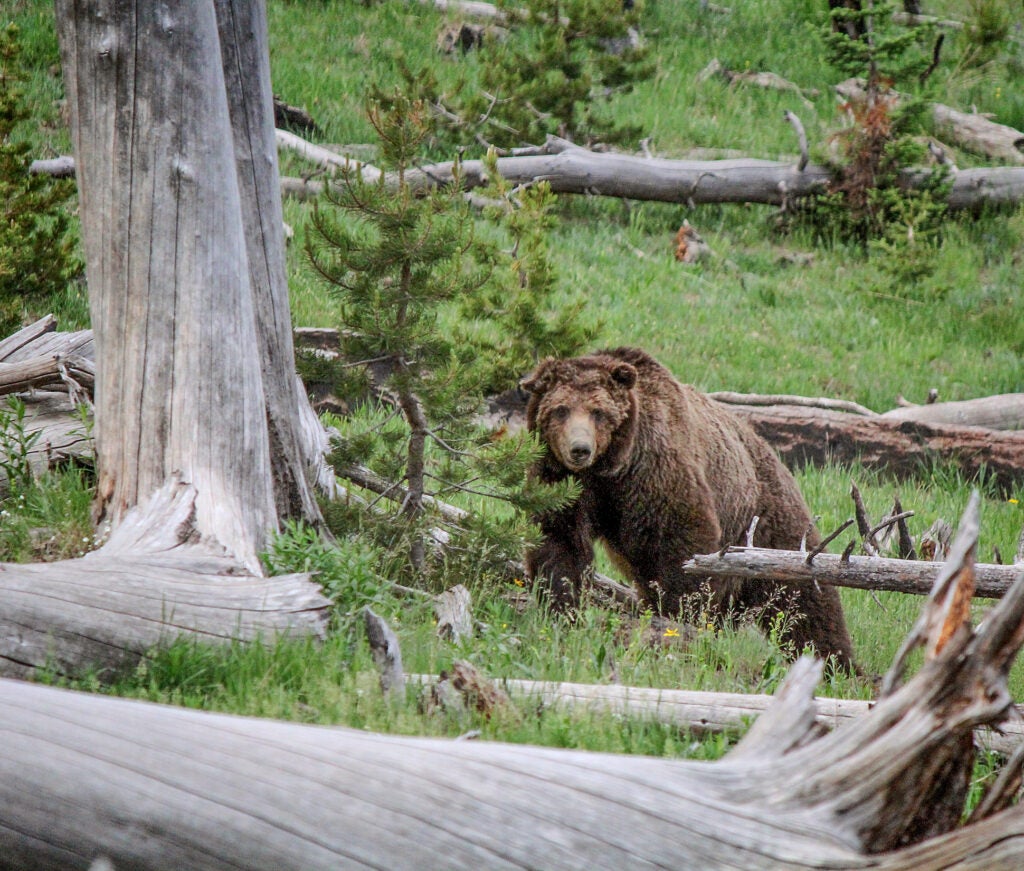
83,775
197,452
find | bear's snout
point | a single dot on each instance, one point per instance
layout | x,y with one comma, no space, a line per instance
579,444
580,452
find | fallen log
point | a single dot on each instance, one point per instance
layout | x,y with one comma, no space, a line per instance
59,435
42,339
972,132
859,572
979,134
47,372
704,713
814,436
730,398
1002,412
82,775
692,182
152,582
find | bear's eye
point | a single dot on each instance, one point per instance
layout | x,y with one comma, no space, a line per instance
560,413
599,416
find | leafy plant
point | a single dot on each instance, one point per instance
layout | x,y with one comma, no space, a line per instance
346,569
37,257
15,447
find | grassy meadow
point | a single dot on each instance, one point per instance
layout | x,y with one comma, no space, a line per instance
767,312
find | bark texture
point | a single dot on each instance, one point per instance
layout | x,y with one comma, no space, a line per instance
167,266
816,436
146,786
172,117
570,169
862,572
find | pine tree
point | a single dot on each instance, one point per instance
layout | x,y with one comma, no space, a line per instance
423,301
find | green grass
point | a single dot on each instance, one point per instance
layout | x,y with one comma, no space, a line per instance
750,319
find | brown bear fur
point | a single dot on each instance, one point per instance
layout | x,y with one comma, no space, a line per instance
667,473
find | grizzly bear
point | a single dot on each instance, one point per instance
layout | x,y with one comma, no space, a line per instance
667,473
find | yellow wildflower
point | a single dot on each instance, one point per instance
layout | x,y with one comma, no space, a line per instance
671,633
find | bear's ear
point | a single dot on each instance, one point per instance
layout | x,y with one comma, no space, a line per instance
624,374
539,380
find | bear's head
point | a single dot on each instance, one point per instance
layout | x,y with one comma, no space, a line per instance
585,410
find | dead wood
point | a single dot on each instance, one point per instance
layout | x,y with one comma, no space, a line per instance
972,132
731,398
56,167
691,182
387,654
83,774
815,436
704,713
860,572
154,580
59,435
1001,412
22,337
74,372
454,617
979,134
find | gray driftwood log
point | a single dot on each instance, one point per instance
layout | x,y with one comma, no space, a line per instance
153,581
146,786
1004,411
861,572
573,170
703,712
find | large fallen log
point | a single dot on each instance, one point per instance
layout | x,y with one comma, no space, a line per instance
82,775
1002,411
152,582
575,170
814,436
692,182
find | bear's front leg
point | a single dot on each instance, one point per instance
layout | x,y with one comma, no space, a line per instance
564,557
